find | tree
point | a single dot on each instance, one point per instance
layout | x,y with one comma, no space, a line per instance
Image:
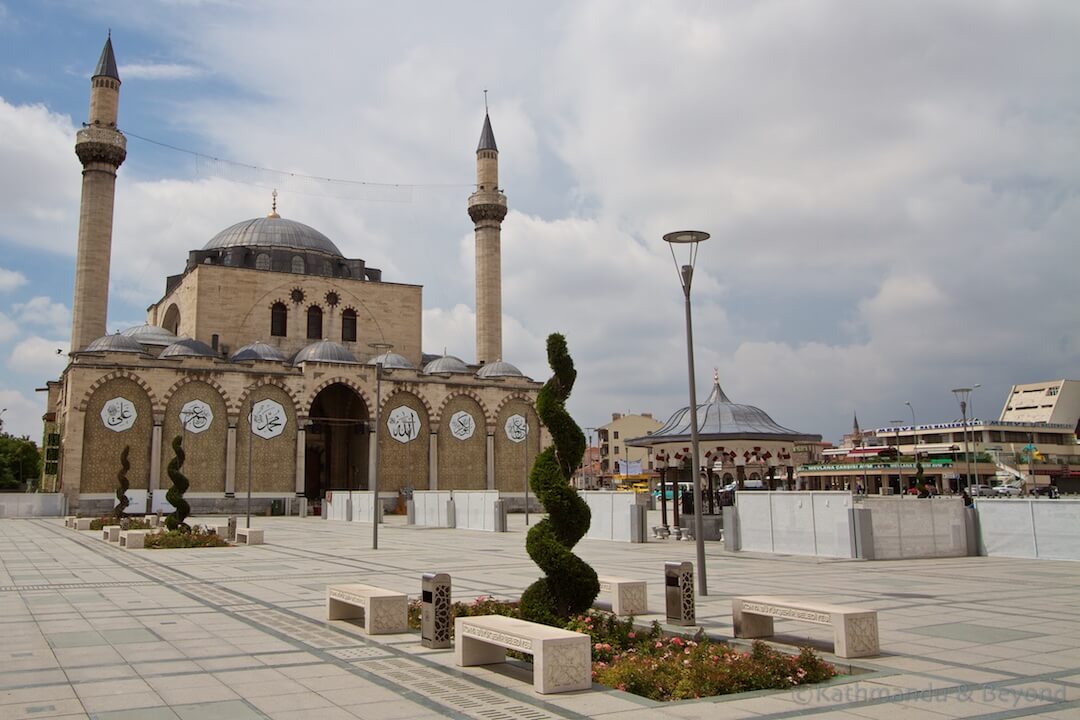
20,461
122,483
180,484
570,585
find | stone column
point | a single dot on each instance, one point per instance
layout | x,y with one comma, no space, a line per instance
433,462
371,458
230,460
155,456
301,456
491,461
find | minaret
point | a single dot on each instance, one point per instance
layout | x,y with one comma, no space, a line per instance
487,208
101,149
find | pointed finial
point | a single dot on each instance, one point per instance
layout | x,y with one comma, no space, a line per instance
273,205
485,101
716,375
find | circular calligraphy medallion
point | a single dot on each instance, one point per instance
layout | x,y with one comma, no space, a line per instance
403,424
268,419
196,416
462,425
119,414
517,428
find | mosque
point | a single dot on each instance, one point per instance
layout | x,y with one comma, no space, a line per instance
287,368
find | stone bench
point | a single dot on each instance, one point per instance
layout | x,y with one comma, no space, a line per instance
248,536
855,630
562,659
627,596
380,611
82,523
133,539
69,521
110,533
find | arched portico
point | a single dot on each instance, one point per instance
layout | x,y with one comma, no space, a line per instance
336,447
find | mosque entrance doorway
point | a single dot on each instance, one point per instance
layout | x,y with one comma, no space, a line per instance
336,452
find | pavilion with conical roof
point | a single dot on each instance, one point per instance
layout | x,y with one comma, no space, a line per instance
737,442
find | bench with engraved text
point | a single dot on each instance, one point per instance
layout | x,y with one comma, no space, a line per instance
380,611
855,629
627,596
562,659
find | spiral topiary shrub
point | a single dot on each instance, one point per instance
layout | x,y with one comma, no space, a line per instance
122,483
180,484
570,584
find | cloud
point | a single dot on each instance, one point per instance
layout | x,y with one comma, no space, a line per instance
39,203
38,356
23,416
11,279
8,329
159,71
41,310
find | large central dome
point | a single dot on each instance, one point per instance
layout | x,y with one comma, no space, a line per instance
273,232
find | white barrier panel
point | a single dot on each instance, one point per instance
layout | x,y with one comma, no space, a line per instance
610,514
430,507
795,523
336,505
1044,529
475,509
907,527
31,504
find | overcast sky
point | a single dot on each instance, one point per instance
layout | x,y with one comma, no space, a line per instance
891,187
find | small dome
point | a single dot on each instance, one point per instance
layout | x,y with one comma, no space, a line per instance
188,347
273,232
114,343
499,368
150,335
445,364
326,351
258,351
392,361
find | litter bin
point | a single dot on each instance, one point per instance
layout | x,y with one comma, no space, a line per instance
435,610
277,506
679,593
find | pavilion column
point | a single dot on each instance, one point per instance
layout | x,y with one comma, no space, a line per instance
230,461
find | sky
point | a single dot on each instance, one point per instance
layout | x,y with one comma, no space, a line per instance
891,188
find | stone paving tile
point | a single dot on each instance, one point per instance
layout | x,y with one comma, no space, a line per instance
42,708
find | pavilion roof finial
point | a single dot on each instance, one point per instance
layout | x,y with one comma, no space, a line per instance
273,205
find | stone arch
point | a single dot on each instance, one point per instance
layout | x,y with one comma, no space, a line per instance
274,461
305,404
294,397
398,389
513,460
462,461
126,374
404,464
101,446
337,447
437,417
204,465
171,320
196,378
511,397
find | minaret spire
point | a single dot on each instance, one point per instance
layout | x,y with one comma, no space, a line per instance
487,208
101,149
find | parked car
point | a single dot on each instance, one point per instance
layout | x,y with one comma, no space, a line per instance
1047,491
1009,490
983,490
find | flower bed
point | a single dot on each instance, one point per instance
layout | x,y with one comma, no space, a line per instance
661,666
196,537
125,522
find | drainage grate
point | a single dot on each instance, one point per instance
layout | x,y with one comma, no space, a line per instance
452,692
358,653
309,632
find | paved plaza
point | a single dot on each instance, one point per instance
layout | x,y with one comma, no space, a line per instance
90,630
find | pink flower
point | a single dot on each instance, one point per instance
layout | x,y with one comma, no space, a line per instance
659,644
631,635
598,646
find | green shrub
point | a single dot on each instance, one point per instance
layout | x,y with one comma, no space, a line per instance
122,483
570,585
482,605
175,495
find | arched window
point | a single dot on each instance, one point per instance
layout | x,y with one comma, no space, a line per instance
348,326
314,323
172,319
262,261
298,264
279,319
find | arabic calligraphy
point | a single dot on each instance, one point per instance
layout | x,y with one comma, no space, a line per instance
462,425
196,416
517,428
268,419
119,414
403,423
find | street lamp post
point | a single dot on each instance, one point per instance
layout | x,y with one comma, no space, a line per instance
899,471
692,239
251,447
962,396
525,469
661,466
381,349
974,439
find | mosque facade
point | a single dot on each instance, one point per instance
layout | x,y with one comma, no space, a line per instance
286,368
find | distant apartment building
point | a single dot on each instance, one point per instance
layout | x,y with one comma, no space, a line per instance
616,457
1056,402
